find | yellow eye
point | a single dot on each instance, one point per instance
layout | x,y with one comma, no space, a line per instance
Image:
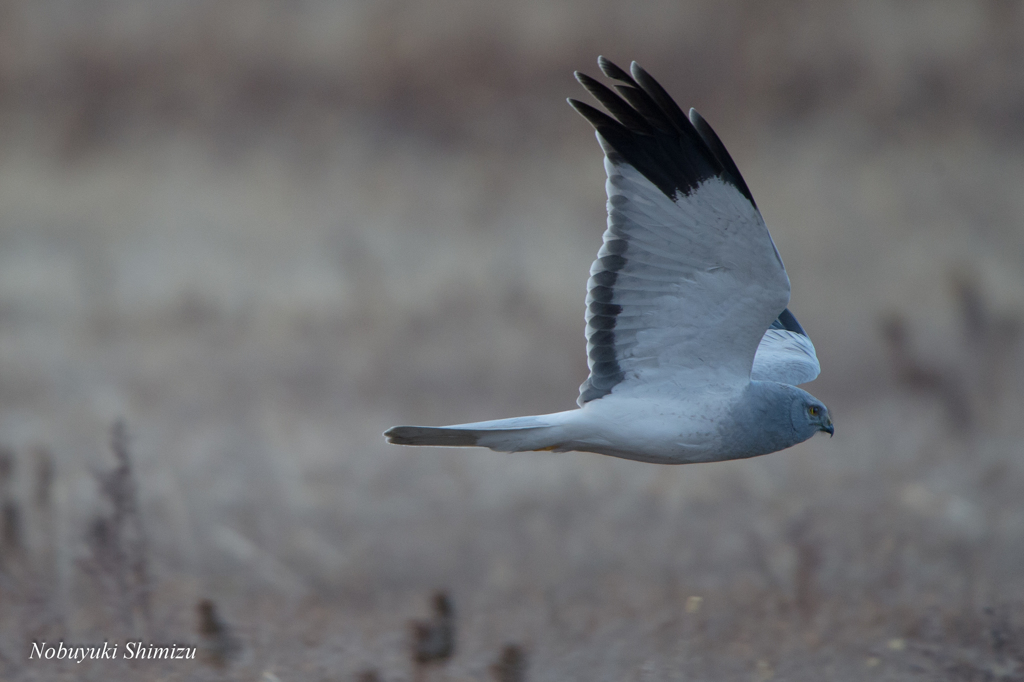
812,410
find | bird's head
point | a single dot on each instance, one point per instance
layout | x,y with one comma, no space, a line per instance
810,416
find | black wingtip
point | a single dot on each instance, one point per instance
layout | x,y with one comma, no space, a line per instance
579,106
647,129
585,80
609,69
597,118
643,79
714,143
662,99
615,105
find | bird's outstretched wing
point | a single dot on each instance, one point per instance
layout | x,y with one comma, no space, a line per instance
688,279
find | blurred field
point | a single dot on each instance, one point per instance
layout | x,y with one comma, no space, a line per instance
262,232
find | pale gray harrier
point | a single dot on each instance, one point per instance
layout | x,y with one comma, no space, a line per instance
693,354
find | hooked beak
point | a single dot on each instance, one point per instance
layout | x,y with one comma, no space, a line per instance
828,428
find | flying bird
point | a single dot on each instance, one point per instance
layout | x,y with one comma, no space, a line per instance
693,353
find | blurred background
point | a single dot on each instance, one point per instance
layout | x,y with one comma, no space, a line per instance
262,232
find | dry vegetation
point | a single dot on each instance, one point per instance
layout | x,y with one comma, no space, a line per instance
260,233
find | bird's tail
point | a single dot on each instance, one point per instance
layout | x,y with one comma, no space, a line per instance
518,434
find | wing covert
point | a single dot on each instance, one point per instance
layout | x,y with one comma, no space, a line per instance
785,354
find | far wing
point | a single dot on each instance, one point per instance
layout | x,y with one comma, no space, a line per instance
688,278
785,353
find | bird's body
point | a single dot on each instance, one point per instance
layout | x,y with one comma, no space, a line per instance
693,354
676,427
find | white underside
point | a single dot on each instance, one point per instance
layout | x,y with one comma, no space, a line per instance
655,429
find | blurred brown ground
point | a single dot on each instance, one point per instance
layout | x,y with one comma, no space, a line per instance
263,232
